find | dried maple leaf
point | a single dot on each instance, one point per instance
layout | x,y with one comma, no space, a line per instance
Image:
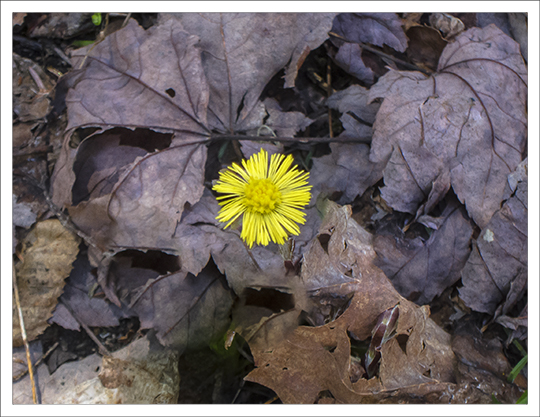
469,120
243,51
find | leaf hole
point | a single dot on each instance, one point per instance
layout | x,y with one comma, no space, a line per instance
325,394
269,298
323,240
170,92
330,349
402,342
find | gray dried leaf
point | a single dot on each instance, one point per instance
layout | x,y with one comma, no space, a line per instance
421,270
497,267
146,203
469,118
92,311
242,52
137,78
185,310
346,170
358,114
374,28
349,57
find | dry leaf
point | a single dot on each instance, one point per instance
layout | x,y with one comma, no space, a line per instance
243,51
419,361
469,119
422,269
92,311
497,267
48,254
374,28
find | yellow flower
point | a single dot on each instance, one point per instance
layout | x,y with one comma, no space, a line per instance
270,196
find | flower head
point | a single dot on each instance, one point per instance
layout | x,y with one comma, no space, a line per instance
269,195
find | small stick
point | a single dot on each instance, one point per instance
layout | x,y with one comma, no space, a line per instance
23,334
41,359
329,93
382,54
102,349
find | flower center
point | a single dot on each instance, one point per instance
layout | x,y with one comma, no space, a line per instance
261,196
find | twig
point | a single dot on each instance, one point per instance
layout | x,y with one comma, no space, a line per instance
23,334
342,139
41,359
329,93
382,54
102,349
271,400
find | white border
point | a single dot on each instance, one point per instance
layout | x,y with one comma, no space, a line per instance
8,7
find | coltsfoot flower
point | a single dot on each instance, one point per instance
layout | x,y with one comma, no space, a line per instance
269,195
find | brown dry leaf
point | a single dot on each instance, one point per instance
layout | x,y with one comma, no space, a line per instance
425,47
243,51
496,270
48,254
422,269
449,25
481,359
468,119
418,362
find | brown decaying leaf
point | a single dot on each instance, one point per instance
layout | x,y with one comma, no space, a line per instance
425,46
421,270
141,373
243,51
316,359
469,119
49,252
496,270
